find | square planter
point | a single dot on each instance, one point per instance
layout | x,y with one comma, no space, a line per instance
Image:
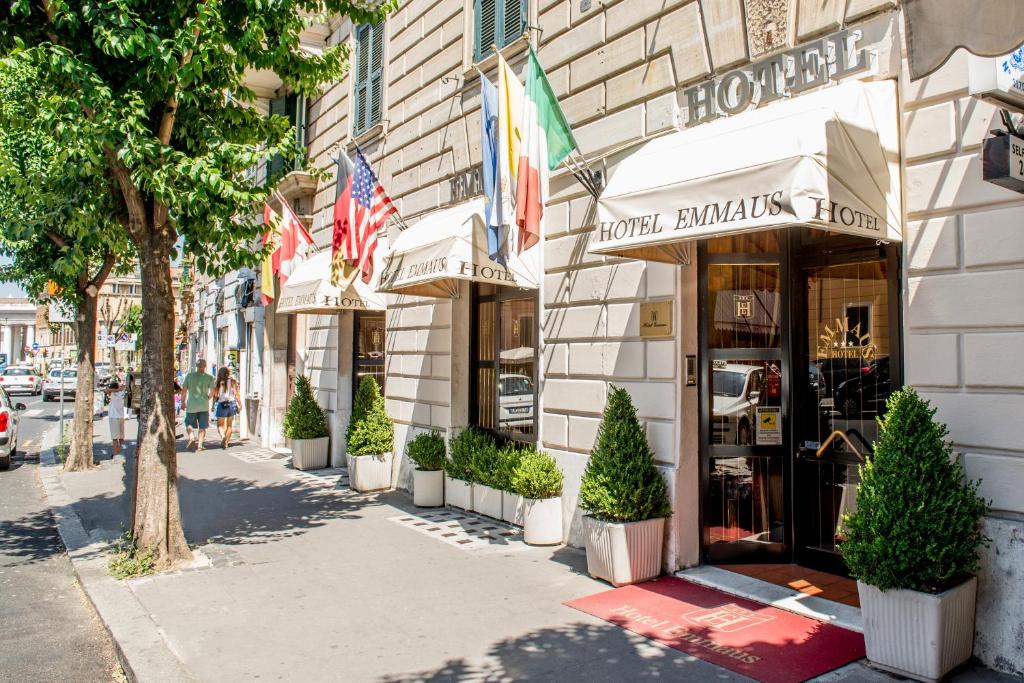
369,473
543,521
458,493
918,635
624,552
512,508
310,454
487,501
427,488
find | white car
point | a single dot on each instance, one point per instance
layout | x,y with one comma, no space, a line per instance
736,390
8,429
515,401
21,379
53,382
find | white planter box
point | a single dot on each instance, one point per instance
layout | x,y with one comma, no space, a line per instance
310,454
371,472
543,521
512,508
918,635
427,488
624,553
458,493
487,501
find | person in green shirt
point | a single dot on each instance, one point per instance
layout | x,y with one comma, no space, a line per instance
197,387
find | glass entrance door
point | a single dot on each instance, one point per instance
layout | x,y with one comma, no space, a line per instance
845,343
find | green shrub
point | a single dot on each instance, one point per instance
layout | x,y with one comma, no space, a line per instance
536,475
128,561
508,459
462,452
918,522
373,433
427,451
366,393
621,483
304,418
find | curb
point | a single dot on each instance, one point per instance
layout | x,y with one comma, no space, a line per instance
139,643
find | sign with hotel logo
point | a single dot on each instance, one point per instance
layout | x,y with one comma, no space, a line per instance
656,319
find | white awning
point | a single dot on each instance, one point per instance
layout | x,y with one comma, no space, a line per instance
309,290
827,160
450,245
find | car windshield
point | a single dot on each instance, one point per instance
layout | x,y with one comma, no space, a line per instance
728,383
514,386
17,372
71,373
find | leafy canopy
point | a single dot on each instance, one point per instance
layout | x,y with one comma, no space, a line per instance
304,418
621,482
918,521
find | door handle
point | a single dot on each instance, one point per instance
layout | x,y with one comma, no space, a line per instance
838,434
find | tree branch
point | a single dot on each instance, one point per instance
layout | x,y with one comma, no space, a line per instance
57,239
133,200
101,276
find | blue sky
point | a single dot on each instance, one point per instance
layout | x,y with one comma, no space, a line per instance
9,289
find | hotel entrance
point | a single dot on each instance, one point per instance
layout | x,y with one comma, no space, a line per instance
799,351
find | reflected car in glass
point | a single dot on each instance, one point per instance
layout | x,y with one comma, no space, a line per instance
736,393
515,401
864,395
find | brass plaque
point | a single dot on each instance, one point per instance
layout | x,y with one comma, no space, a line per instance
656,319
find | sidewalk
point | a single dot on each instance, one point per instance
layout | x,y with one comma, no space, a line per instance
298,578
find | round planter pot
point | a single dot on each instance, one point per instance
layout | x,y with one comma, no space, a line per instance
370,473
918,635
622,553
310,454
427,488
542,521
458,493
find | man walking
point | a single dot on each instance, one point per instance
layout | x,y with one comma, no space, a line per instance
197,387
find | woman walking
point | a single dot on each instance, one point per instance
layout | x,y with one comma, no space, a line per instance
228,402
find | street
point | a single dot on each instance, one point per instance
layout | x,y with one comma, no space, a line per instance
48,628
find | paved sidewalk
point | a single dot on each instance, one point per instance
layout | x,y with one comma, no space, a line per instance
299,578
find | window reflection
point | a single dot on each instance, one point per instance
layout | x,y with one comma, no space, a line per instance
746,403
745,500
744,306
369,348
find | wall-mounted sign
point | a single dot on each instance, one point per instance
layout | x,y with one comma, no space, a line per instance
999,80
233,360
769,426
656,319
468,184
1003,162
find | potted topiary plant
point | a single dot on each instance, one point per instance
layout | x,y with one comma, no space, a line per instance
509,458
361,404
305,426
460,470
427,452
486,494
370,445
539,481
626,497
912,544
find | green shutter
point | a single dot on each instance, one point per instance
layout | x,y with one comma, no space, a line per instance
369,77
514,16
361,80
278,107
376,75
486,26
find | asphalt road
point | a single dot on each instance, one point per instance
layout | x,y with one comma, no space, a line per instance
48,629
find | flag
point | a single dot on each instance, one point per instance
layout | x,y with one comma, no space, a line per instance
492,185
361,208
272,262
510,116
547,140
296,242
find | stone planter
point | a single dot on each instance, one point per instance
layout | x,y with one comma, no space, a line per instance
310,454
624,552
458,493
427,488
918,635
512,508
543,521
369,473
487,501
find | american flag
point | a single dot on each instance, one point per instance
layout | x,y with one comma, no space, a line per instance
360,210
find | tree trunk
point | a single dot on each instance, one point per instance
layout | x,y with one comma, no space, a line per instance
80,457
157,514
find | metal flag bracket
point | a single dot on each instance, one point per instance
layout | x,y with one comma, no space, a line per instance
592,180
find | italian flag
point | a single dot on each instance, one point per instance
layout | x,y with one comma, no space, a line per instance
547,141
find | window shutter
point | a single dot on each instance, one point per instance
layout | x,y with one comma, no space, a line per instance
376,75
363,36
486,26
278,107
514,20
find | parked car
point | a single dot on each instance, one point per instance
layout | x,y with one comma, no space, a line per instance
56,378
515,401
865,395
8,429
736,394
21,379
826,376
102,374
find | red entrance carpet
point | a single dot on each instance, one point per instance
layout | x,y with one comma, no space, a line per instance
752,639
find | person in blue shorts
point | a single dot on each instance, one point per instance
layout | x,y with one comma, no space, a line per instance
197,386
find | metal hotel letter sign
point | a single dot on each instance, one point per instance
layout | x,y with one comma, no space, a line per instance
656,319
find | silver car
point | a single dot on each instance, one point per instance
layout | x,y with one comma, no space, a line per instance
8,429
54,381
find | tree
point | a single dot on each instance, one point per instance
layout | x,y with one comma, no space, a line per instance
56,224
154,93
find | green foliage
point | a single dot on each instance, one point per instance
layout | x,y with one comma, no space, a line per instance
507,460
128,561
366,394
304,418
487,464
536,475
621,482
918,521
427,451
462,452
371,432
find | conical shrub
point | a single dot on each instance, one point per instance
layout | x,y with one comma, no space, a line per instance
373,433
621,482
918,521
304,418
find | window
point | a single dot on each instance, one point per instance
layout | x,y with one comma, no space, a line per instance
498,22
369,348
293,106
504,359
858,321
369,77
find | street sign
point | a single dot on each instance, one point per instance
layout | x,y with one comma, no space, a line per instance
35,346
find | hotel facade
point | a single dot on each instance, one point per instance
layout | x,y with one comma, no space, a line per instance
789,229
